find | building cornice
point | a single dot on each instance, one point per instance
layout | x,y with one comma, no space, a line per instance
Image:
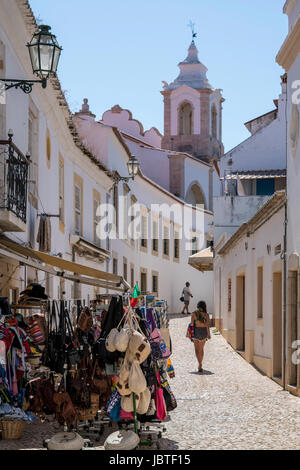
290,48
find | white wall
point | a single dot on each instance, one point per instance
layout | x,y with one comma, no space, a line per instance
239,258
265,150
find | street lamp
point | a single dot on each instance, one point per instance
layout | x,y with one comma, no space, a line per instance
44,52
133,166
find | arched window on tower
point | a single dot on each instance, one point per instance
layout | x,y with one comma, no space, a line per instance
185,119
195,195
214,118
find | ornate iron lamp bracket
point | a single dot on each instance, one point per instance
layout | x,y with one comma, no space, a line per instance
24,85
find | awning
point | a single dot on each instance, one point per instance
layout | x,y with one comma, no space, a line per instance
66,269
203,261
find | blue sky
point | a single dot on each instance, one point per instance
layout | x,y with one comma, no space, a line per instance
118,52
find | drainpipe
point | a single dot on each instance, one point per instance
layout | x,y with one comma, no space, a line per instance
107,240
284,254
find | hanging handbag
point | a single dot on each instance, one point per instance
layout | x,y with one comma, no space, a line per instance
190,332
157,340
126,416
136,381
160,401
34,330
169,397
54,352
72,348
114,398
85,320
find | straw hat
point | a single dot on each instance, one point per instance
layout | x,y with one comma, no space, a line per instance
110,340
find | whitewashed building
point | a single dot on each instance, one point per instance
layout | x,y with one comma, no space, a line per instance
73,165
289,58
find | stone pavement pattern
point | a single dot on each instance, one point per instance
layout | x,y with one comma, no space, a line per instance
231,406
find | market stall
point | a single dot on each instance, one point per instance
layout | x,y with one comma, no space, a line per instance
90,365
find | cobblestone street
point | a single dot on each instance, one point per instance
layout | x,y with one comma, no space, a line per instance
231,406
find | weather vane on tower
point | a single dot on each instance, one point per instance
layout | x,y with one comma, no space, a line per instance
192,26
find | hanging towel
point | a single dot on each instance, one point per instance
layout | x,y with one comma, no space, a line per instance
44,234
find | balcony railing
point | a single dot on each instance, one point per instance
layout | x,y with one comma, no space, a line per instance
13,179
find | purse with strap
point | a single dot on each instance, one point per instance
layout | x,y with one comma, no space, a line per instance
160,404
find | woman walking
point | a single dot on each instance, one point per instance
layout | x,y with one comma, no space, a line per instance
201,323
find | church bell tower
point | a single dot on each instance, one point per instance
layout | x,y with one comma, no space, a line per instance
193,112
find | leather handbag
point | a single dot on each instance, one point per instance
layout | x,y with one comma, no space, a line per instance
72,349
54,352
85,320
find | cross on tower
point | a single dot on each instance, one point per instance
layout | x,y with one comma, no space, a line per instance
192,26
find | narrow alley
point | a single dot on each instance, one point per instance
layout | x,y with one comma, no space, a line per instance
232,406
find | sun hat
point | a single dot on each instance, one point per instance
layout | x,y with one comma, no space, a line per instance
110,340
137,381
144,402
122,440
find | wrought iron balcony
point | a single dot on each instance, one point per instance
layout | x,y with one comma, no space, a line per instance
13,186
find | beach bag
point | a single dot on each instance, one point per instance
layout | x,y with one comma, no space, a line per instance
144,402
127,403
126,416
121,339
160,405
190,332
115,412
152,409
35,332
114,398
165,333
169,397
158,343
124,371
110,340
137,381
123,388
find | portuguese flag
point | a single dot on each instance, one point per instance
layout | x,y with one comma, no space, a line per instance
135,296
